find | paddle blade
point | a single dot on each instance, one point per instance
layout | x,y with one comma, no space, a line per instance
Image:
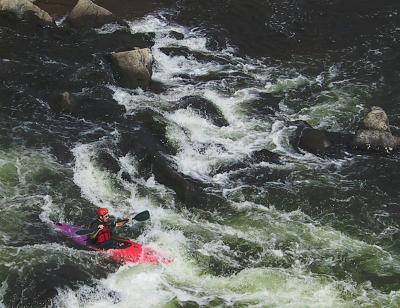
84,232
142,216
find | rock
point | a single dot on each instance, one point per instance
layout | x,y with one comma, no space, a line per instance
263,105
376,119
314,141
23,7
149,136
149,144
176,35
134,67
229,167
205,108
56,8
265,156
88,14
256,157
107,162
64,103
374,136
375,133
41,282
119,41
183,51
377,140
320,142
88,108
294,138
189,191
158,87
126,176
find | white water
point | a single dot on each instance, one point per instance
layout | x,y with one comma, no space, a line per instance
189,240
188,280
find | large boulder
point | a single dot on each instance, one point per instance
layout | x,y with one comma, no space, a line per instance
376,140
133,67
375,133
25,7
88,14
376,119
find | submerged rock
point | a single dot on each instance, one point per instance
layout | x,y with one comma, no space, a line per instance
265,156
86,107
256,157
106,161
176,35
134,67
205,108
314,141
149,144
320,142
263,105
24,7
148,136
189,191
65,103
86,14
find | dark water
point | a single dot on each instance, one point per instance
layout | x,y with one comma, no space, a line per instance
248,219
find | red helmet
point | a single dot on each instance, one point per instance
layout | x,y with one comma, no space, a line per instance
102,211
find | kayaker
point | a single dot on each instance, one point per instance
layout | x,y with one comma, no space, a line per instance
104,227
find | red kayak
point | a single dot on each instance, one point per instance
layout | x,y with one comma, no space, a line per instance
130,251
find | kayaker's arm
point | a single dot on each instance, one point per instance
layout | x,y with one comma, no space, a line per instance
94,235
123,222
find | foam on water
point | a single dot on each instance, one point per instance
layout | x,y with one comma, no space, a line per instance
291,258
183,281
25,186
244,134
283,85
238,139
187,278
96,185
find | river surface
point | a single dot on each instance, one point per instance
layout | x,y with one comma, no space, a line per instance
300,231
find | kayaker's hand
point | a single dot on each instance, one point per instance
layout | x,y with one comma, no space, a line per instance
129,218
101,227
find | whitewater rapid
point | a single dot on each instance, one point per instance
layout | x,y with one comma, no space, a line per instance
256,255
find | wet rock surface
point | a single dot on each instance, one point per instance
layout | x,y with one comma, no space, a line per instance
133,68
123,9
88,14
205,108
25,9
373,136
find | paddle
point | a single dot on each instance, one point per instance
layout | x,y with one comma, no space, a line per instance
142,216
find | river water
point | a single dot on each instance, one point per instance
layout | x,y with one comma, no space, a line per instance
304,231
